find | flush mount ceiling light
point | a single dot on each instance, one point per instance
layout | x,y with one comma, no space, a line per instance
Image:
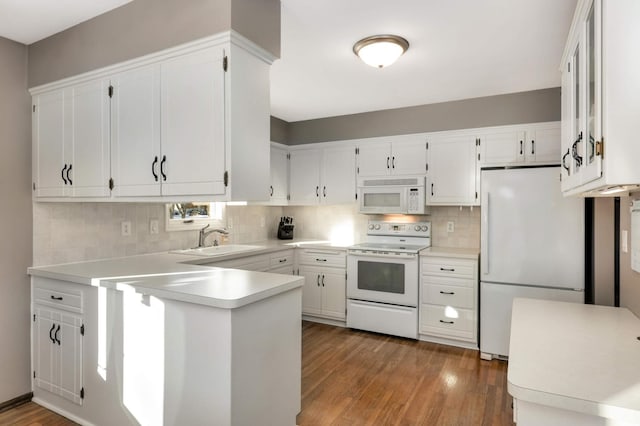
380,50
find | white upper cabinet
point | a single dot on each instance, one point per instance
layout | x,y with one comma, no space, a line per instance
135,132
188,121
192,124
600,68
395,155
519,145
279,183
451,179
323,175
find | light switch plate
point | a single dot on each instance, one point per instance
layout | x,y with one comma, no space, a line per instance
450,226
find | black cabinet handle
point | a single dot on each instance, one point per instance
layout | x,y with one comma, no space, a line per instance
271,190
446,322
432,190
321,260
55,336
318,281
51,331
564,164
164,160
68,178
153,168
317,191
450,293
520,147
574,150
448,269
393,162
282,260
324,191
387,162
322,280
533,147
64,169
56,298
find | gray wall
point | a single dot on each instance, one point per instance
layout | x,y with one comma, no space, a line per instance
279,130
525,107
16,220
603,245
146,26
629,279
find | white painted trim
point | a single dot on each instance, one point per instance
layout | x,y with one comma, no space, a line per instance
60,411
336,323
221,39
449,342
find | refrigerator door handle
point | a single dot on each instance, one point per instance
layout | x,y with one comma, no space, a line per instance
485,233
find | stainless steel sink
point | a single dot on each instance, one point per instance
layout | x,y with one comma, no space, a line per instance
217,250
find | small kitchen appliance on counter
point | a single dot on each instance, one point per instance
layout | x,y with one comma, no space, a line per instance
383,277
285,228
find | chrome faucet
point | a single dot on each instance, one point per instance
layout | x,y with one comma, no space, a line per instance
202,236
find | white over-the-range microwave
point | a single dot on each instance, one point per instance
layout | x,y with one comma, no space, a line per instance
392,195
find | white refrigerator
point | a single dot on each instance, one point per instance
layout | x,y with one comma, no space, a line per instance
532,245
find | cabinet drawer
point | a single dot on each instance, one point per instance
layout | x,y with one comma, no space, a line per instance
437,320
56,294
448,267
449,281
281,258
332,258
457,297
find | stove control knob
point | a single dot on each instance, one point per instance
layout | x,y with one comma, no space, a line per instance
371,226
377,227
417,227
425,228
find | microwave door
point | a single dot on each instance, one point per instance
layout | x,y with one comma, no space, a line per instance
383,200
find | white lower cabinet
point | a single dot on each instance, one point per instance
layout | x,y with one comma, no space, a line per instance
279,262
324,292
449,300
57,339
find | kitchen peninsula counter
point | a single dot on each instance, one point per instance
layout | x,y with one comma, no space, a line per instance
574,364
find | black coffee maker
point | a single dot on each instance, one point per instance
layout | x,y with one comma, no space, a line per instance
285,228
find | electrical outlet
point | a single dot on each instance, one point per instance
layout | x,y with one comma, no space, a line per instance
450,226
153,226
125,228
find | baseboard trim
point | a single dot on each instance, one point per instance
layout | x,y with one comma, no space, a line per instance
13,403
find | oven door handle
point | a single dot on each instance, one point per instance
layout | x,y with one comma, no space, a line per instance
386,255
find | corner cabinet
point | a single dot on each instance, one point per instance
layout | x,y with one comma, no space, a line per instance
188,121
279,173
600,65
57,337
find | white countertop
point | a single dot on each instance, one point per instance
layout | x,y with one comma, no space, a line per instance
460,253
582,358
179,276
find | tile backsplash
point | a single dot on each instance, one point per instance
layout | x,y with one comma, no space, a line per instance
72,232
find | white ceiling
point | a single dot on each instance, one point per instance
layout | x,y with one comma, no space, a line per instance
459,49
28,21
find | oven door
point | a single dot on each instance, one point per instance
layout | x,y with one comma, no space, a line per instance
383,277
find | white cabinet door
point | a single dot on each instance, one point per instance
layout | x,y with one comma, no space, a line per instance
135,132
502,148
312,290
338,175
57,353
452,171
279,188
48,128
542,146
374,159
305,176
192,129
409,155
88,172
334,297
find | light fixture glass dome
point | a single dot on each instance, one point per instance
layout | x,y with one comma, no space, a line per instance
381,50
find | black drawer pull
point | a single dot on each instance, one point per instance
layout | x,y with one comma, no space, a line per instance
448,269
56,297
282,260
51,331
447,292
321,260
55,336
446,322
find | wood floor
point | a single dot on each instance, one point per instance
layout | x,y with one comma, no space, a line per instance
358,378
